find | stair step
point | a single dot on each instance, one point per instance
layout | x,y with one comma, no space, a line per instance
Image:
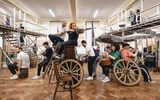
11,40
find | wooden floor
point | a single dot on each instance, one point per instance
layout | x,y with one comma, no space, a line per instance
28,89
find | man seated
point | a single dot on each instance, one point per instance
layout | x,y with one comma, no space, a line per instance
22,61
127,54
59,37
48,54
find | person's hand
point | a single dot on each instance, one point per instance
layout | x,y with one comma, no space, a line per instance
136,50
18,72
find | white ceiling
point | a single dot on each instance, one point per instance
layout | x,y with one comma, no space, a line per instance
86,8
62,10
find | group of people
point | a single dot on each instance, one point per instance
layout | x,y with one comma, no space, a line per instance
110,52
134,18
113,53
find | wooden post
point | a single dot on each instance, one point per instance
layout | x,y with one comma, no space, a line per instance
0,58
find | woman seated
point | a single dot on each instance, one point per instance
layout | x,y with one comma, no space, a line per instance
73,33
127,54
114,55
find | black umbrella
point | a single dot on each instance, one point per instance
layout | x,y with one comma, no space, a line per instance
109,38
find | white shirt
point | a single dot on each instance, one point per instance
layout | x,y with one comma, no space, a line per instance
63,31
24,58
90,50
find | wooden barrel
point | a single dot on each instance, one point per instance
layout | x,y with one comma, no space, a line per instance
24,73
33,62
105,62
0,58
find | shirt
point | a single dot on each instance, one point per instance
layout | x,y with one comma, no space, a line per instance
126,54
73,36
90,50
117,56
63,31
24,58
48,53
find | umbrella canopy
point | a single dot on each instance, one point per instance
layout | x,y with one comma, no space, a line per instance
109,38
136,36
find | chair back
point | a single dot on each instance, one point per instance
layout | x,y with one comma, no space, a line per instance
69,52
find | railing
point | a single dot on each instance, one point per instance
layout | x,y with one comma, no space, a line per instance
13,20
145,16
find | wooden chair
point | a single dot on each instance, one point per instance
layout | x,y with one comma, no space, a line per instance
61,79
69,52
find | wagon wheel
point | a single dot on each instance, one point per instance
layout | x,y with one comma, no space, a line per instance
127,72
73,68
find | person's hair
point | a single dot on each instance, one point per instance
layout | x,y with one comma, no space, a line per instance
138,11
19,47
70,25
64,24
45,43
125,44
107,47
117,47
83,41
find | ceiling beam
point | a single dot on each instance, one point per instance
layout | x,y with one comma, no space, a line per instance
73,10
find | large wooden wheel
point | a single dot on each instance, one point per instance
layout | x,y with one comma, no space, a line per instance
73,68
127,72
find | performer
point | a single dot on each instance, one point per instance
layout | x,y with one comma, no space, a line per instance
59,37
114,55
92,56
73,33
105,55
48,53
22,61
127,54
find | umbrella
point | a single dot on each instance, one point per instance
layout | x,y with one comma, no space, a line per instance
109,38
136,36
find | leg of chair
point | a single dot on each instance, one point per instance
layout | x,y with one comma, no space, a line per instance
50,77
70,87
55,90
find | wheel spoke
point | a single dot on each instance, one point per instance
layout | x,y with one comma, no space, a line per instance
121,76
64,68
125,78
127,64
119,72
134,74
75,78
76,70
132,77
74,67
76,74
132,66
63,72
121,66
129,79
67,66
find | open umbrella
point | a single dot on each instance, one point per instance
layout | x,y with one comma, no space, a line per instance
109,38
136,36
